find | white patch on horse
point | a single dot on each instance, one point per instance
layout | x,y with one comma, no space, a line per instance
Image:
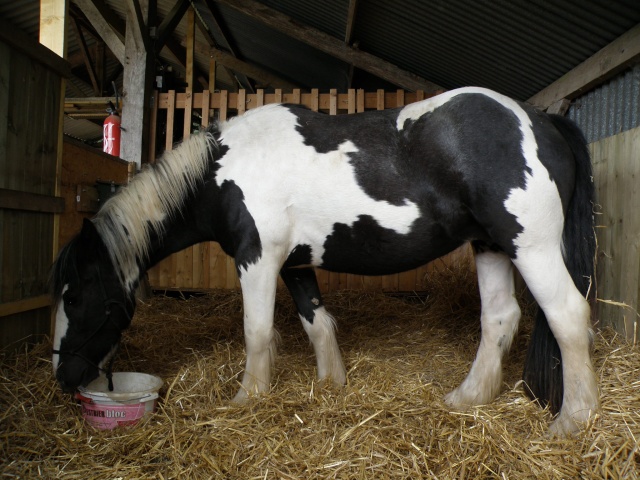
62,325
300,210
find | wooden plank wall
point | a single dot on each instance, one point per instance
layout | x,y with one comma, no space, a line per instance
30,101
616,171
206,266
84,166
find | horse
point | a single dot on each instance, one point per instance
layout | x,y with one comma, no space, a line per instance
284,189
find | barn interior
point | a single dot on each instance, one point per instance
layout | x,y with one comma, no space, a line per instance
169,67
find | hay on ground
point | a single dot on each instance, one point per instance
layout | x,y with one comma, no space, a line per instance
402,355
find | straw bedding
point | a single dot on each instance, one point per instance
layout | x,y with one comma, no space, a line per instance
402,355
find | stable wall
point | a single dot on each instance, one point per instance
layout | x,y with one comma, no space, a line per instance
31,89
616,172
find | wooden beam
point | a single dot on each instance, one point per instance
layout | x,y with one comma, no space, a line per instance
615,57
95,11
138,72
351,20
332,46
189,77
24,305
190,48
560,107
170,23
137,21
260,75
85,56
30,202
228,45
53,34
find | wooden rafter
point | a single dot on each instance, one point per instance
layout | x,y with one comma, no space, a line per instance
612,59
331,45
170,23
259,74
139,25
351,20
77,29
106,23
348,34
221,32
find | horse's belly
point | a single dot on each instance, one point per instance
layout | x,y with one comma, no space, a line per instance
373,250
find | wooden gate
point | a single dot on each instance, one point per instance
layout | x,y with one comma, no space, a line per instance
206,266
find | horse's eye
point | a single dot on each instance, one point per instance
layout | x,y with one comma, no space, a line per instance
68,298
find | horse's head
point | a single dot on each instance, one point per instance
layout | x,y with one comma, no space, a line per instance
92,308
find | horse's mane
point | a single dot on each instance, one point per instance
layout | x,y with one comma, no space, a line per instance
127,220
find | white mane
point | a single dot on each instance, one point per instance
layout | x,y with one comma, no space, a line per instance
126,221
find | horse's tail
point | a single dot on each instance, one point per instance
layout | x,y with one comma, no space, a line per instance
543,366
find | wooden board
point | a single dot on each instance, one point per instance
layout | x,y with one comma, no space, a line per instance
617,180
31,87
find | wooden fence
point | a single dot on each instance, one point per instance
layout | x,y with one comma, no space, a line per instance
205,266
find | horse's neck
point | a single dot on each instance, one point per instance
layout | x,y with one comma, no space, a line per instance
179,232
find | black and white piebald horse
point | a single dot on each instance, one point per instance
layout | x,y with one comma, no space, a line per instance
284,189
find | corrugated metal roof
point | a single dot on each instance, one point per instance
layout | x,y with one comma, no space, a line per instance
609,109
517,47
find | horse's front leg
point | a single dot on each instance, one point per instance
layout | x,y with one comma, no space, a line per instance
258,282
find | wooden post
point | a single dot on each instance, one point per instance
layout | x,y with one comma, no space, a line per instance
191,41
53,30
138,68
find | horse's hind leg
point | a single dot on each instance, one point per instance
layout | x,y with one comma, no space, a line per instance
500,316
568,315
317,322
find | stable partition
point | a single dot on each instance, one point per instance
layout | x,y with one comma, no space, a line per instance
31,90
206,266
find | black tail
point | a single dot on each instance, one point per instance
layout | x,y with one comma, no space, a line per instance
543,366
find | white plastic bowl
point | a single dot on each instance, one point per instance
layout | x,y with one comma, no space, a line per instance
134,394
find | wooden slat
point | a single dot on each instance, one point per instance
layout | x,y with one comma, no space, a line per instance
314,99
380,99
24,305
153,127
223,106
351,108
30,202
206,109
242,102
333,101
171,105
212,75
187,115
360,100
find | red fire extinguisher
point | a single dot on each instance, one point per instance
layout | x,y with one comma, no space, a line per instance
111,132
